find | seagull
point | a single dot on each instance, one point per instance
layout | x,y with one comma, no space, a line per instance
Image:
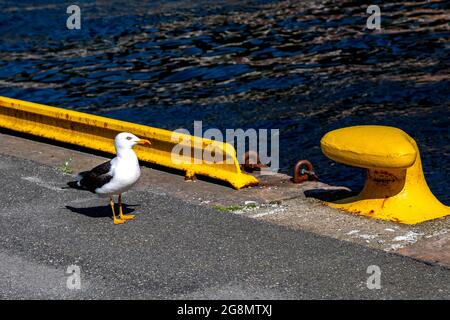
115,176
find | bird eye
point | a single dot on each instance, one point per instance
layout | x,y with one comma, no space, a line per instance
128,138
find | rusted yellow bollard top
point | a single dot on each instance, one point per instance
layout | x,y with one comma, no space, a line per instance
395,188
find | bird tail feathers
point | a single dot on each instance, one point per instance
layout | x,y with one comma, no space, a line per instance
74,184
77,183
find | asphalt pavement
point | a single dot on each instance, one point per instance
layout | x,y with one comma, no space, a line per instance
177,250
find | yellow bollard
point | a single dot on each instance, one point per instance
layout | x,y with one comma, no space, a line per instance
395,188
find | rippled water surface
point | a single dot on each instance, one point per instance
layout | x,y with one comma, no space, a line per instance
304,67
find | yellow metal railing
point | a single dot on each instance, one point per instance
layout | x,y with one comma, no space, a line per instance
97,133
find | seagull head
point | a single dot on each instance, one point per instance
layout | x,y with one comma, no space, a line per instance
126,140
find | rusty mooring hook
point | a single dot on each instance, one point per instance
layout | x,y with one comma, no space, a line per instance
256,164
304,171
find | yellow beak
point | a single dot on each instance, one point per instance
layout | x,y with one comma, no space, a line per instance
144,142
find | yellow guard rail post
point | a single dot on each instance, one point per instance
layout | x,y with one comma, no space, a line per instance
98,133
395,188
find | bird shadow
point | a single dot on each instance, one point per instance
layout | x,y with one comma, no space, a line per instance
101,211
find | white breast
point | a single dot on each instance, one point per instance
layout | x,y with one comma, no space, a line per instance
125,171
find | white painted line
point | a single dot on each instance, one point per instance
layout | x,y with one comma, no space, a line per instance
41,183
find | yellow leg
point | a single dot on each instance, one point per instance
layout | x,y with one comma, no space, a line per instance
116,221
121,215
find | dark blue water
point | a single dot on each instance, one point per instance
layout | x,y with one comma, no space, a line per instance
304,67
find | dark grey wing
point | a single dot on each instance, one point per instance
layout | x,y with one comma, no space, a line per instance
101,169
96,178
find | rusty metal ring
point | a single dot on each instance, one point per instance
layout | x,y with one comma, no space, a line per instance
250,167
304,171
